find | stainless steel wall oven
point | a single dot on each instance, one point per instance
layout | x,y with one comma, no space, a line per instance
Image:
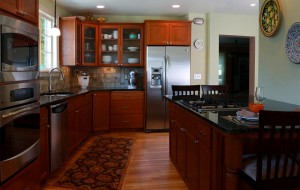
19,95
19,50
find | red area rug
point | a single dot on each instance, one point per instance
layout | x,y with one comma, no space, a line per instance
101,167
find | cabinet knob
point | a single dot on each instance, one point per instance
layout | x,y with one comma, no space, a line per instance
196,141
182,129
170,42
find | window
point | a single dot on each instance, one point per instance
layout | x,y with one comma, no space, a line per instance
48,44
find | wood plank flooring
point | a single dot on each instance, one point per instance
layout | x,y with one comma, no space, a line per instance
149,168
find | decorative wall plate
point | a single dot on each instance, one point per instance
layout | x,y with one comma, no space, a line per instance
269,17
198,44
292,45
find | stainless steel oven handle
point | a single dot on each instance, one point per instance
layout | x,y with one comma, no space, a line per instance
17,112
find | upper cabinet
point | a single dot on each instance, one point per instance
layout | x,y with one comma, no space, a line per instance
25,9
121,45
85,43
89,44
167,32
70,41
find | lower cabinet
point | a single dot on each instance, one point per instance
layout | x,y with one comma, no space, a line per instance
101,103
190,147
79,120
44,142
127,110
28,178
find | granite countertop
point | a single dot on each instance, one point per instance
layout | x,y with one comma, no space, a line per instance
218,119
48,100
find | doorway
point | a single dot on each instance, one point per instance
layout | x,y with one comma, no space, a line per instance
234,63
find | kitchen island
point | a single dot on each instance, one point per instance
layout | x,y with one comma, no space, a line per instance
207,147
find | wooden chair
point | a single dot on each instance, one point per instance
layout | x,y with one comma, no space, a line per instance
276,164
186,90
214,89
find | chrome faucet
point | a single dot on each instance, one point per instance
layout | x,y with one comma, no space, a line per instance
50,80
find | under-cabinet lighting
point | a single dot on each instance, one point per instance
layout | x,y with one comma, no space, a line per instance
252,4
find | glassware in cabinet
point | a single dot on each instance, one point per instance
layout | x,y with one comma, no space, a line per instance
109,45
89,44
132,45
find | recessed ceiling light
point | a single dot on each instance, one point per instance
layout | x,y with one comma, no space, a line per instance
175,6
100,6
252,5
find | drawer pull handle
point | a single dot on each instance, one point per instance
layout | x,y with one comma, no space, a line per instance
182,129
125,121
196,141
125,107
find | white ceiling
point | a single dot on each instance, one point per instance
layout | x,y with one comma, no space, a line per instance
158,7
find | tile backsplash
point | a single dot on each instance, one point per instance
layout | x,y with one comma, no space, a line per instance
99,77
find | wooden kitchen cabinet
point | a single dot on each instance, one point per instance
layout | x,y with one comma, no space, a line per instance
192,146
167,32
44,144
127,110
172,133
70,41
89,44
27,10
121,45
101,104
28,178
79,120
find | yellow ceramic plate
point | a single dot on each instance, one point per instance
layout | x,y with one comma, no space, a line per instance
269,17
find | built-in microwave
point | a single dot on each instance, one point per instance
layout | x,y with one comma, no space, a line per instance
19,52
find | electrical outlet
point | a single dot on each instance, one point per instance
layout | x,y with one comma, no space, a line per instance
197,76
126,77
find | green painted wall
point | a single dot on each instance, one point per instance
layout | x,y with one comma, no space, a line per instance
280,76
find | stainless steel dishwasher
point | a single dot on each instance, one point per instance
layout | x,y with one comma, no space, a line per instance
57,134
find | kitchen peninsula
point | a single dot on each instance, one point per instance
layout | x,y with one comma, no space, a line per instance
207,148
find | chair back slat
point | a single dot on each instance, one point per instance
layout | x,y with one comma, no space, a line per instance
214,89
186,90
279,146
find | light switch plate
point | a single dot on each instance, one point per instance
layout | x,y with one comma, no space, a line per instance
197,76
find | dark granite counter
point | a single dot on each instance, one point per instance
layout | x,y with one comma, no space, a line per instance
218,119
48,100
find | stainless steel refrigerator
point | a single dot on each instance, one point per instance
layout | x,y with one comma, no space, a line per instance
166,66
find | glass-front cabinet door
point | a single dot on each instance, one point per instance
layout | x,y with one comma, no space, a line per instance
90,45
132,45
109,45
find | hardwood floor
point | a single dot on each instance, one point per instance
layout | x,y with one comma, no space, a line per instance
149,167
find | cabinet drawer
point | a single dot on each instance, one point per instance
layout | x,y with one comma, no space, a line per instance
127,106
204,132
127,95
127,121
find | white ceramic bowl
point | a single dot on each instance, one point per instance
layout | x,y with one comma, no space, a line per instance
133,60
106,59
132,48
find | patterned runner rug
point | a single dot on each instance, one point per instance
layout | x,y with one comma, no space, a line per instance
101,167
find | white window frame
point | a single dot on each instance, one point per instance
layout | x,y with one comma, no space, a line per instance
54,42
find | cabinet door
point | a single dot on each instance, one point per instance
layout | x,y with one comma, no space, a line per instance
29,10
70,41
44,142
157,33
89,44
110,45
180,34
132,45
181,148
26,9
204,169
11,6
85,123
101,111
27,178
191,161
